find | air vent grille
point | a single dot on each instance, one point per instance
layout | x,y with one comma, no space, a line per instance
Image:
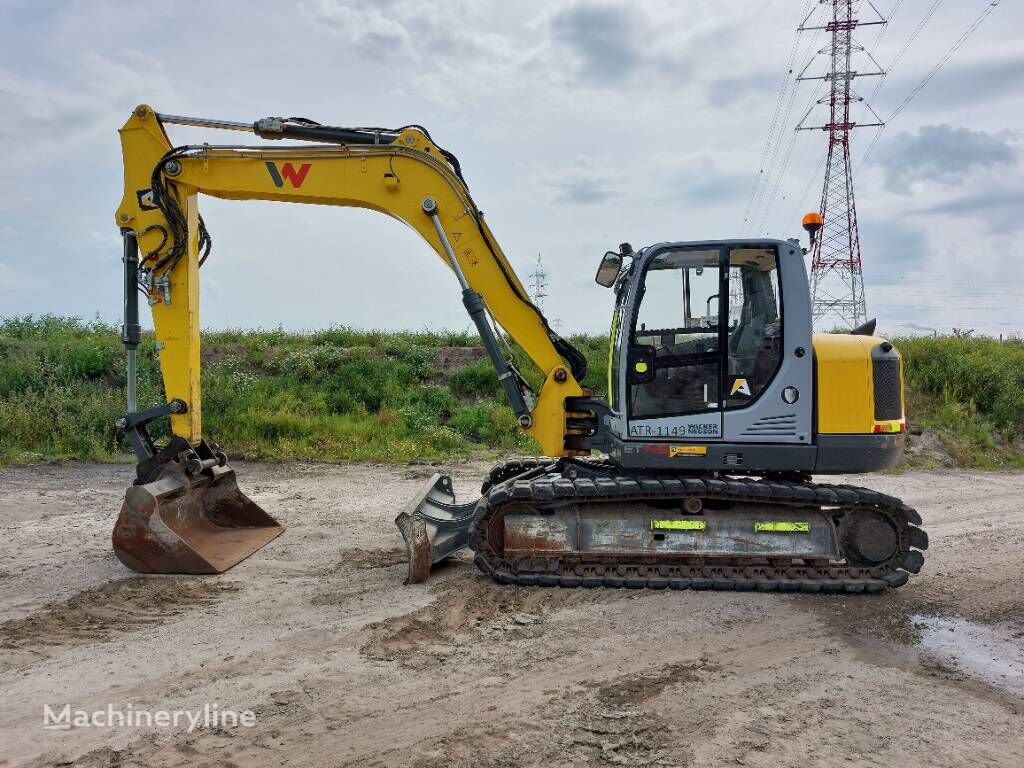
784,425
886,375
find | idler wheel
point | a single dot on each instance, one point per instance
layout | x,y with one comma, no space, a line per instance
870,539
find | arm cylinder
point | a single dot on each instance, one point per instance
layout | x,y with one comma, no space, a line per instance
131,330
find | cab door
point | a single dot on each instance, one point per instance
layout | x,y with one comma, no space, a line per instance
675,357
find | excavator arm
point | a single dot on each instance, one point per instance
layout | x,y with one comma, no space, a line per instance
400,173
185,512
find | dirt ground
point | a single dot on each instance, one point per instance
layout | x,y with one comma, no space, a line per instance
345,666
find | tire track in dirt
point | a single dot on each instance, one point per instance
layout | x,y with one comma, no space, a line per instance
367,559
98,614
479,609
610,723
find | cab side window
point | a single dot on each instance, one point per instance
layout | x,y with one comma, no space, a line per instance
755,324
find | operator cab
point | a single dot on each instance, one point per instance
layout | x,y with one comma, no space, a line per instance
700,338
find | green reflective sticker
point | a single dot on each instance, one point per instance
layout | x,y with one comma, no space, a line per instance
781,526
678,525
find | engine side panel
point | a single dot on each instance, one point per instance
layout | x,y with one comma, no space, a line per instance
847,368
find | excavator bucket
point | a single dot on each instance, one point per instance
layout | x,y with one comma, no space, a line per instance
434,526
190,522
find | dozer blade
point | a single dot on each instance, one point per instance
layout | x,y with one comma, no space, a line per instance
434,526
183,523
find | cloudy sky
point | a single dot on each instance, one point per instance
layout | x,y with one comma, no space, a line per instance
579,124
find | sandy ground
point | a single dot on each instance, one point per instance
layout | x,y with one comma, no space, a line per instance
345,666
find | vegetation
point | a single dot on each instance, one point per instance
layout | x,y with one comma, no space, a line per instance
344,394
970,393
333,395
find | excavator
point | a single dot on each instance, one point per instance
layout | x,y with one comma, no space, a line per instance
694,471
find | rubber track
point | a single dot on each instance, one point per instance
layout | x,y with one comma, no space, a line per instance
695,572
513,467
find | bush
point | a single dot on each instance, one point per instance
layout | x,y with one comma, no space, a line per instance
476,380
983,374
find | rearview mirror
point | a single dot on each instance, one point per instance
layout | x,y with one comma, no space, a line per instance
609,269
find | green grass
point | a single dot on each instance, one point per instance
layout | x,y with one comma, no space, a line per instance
970,392
333,395
343,394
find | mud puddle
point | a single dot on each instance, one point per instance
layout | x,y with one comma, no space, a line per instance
986,653
992,654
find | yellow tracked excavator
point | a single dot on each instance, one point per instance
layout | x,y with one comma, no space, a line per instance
693,471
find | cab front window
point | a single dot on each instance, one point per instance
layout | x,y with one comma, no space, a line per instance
675,347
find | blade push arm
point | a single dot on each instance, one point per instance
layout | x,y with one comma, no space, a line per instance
399,173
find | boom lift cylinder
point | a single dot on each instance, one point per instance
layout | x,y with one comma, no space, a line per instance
474,304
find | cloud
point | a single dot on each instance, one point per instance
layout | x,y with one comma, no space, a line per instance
446,56
375,31
705,183
606,45
961,84
8,278
725,92
890,249
941,153
388,29
999,207
603,40
583,188
77,104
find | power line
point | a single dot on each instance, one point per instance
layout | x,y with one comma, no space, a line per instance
910,40
779,179
783,88
771,169
769,172
785,162
807,188
948,55
871,146
931,73
874,46
780,176
895,60
885,27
